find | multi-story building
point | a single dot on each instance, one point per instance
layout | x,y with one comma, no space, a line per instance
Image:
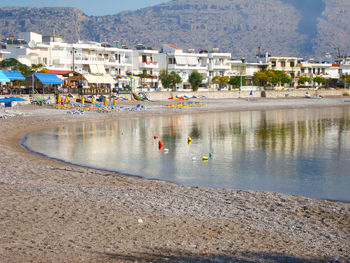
84,57
144,62
246,68
208,64
183,63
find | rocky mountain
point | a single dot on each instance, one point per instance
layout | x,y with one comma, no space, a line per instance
282,27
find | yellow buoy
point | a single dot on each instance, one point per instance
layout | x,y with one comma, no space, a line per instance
82,100
93,100
66,100
105,102
58,99
205,158
114,102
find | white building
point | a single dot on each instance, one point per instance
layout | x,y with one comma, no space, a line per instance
246,68
84,57
208,64
2,53
144,61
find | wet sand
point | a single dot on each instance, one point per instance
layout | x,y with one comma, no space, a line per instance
56,212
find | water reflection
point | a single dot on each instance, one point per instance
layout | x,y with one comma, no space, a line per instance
303,152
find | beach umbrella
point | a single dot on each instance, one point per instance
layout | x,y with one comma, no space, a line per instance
82,100
17,99
58,98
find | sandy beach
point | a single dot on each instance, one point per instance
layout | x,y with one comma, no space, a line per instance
56,212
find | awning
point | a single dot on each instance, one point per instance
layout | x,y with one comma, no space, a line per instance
59,72
180,60
3,77
97,69
93,69
101,69
105,79
46,78
14,75
192,61
125,77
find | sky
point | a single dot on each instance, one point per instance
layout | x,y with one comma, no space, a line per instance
89,7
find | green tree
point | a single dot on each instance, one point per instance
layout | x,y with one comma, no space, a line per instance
195,79
262,77
174,79
14,64
164,78
221,80
303,79
319,80
345,79
236,81
143,76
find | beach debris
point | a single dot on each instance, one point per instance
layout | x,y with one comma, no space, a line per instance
166,150
210,155
194,158
160,145
205,158
140,221
155,137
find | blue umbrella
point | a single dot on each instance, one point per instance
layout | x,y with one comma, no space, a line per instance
17,99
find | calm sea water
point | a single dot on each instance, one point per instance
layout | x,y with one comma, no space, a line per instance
296,151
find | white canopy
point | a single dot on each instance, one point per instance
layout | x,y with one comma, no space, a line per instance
185,60
103,79
97,69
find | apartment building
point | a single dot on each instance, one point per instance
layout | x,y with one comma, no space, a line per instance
84,57
144,62
208,63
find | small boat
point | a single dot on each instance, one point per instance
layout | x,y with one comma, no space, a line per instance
313,96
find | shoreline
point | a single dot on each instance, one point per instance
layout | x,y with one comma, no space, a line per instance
55,211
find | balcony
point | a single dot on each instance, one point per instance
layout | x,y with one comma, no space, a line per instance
187,67
149,64
101,61
219,67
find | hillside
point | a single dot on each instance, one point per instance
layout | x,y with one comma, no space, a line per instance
283,27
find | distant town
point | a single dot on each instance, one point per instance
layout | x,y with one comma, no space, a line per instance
88,64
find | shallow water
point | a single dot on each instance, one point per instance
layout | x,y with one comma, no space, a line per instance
296,151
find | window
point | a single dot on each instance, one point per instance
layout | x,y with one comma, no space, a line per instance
292,64
273,64
283,64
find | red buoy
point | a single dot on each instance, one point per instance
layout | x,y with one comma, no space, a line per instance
160,145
